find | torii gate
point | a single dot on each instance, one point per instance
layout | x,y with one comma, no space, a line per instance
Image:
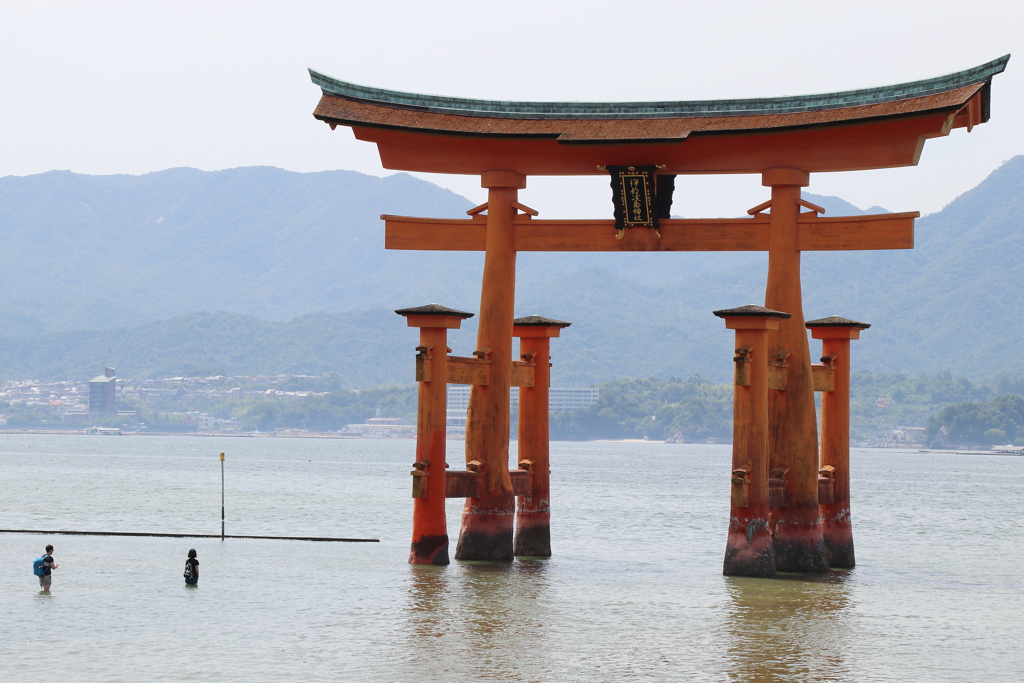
782,139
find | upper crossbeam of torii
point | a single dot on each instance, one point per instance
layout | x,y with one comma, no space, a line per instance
856,130
782,139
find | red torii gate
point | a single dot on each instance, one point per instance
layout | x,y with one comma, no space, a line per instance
782,139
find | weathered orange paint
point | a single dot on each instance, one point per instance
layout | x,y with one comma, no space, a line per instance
487,521
749,550
842,233
851,233
793,435
862,145
429,525
837,523
533,511
468,370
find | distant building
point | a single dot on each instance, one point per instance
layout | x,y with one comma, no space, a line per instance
458,397
102,393
380,427
75,416
456,422
568,400
201,420
559,398
133,416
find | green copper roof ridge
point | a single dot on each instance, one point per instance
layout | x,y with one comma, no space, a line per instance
652,110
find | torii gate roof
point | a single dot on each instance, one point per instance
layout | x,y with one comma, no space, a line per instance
858,129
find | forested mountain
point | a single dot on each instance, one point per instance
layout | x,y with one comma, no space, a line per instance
296,263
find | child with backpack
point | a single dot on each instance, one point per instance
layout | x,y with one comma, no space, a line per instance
192,569
43,567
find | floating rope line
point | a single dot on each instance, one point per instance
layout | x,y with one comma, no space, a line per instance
131,533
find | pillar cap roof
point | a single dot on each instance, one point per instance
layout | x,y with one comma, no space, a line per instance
434,309
539,321
836,321
751,311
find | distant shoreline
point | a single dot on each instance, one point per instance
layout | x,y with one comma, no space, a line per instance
302,435
326,435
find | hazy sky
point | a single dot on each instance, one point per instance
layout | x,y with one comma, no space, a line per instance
135,87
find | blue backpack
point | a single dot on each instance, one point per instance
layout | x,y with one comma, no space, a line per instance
37,566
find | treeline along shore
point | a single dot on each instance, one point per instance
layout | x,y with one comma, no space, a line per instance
939,410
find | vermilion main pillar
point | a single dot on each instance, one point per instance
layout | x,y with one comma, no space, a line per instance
837,524
793,433
533,513
749,549
429,525
487,521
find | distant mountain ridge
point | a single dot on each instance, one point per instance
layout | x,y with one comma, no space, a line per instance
115,251
93,252
81,252
350,344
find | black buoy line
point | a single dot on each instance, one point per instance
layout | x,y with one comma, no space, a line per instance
153,535
221,535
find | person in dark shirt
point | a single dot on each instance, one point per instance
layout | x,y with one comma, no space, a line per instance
192,569
48,566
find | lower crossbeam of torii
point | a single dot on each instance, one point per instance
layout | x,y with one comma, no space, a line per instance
783,140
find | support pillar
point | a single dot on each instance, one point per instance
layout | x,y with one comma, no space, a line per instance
487,521
429,525
837,524
793,433
749,551
533,511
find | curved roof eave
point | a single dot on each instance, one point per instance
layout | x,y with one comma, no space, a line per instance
503,109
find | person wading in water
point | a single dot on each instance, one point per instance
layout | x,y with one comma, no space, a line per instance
43,568
192,569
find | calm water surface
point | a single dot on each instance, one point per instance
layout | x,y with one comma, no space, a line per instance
634,591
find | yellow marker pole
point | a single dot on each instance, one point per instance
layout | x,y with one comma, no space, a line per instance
222,496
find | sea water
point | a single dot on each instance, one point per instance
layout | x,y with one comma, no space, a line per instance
634,590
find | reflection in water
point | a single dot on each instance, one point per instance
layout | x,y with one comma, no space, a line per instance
792,628
427,595
478,619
